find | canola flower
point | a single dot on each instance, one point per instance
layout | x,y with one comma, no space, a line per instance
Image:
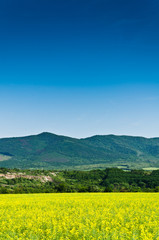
84,216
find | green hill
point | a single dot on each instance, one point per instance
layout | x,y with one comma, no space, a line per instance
50,151
104,180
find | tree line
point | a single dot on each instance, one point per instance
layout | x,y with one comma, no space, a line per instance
107,180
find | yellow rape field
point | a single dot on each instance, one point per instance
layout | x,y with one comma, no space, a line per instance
80,216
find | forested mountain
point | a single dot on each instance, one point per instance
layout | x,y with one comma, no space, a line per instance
50,151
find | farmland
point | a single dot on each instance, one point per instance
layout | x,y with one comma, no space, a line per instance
60,216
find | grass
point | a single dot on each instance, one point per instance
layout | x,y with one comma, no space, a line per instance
150,169
4,157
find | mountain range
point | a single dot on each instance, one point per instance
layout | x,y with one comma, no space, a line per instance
51,151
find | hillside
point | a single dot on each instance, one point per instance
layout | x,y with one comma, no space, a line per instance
50,151
107,180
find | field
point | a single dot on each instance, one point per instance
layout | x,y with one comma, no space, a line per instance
4,157
80,216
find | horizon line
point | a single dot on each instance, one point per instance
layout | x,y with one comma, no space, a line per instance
60,135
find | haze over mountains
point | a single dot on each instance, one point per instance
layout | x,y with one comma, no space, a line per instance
50,151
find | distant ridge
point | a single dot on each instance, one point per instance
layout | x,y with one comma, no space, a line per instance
50,151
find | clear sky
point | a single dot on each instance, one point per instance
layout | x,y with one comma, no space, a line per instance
79,67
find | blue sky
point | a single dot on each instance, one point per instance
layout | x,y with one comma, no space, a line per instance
79,68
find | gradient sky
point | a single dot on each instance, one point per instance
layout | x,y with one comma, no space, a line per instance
79,67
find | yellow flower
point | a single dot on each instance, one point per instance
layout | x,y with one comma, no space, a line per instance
79,216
